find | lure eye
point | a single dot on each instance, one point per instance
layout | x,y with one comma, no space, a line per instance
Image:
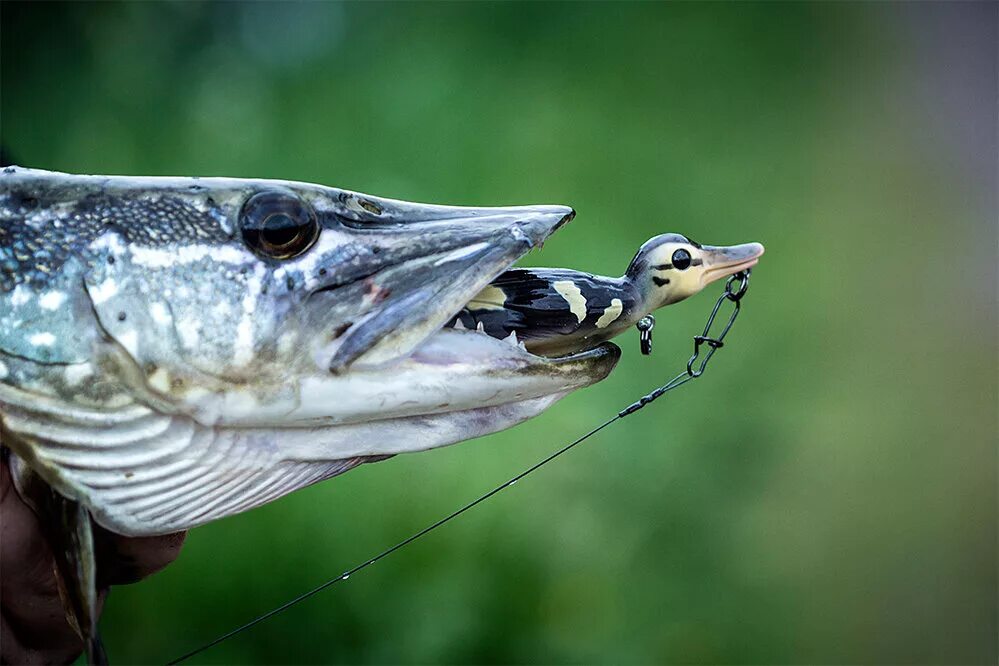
278,225
681,260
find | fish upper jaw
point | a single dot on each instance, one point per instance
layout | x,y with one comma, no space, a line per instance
378,289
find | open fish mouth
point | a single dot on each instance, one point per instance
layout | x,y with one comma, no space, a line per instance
385,342
416,276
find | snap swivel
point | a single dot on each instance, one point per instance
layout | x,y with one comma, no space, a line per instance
645,326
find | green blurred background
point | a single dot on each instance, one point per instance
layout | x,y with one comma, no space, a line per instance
826,494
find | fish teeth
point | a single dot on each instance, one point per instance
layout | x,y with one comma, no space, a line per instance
511,339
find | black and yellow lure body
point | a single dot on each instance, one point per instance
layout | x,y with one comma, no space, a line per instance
550,310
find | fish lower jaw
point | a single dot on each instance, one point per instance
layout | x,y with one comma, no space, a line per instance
451,371
475,345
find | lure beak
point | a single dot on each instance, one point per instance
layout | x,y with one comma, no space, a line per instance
721,262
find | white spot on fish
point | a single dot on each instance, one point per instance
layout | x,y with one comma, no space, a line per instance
103,291
236,404
159,380
3,370
196,395
45,339
51,300
160,314
76,373
189,332
111,242
612,312
286,344
243,351
129,340
568,290
20,296
188,254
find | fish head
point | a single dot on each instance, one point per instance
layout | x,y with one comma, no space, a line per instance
299,321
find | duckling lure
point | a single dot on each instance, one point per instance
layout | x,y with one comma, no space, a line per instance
553,311
177,350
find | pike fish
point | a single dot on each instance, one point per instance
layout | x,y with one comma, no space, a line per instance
177,350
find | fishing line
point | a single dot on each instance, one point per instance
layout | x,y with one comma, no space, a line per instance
645,326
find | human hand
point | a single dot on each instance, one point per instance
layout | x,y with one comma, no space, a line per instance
34,626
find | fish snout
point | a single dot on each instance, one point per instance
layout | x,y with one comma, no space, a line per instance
417,265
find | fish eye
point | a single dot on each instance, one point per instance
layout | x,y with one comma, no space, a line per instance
278,225
681,260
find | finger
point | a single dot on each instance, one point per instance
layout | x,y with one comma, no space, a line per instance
122,560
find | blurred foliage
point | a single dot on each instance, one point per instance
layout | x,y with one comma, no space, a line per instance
826,494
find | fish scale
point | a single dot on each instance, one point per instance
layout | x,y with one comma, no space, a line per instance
38,239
